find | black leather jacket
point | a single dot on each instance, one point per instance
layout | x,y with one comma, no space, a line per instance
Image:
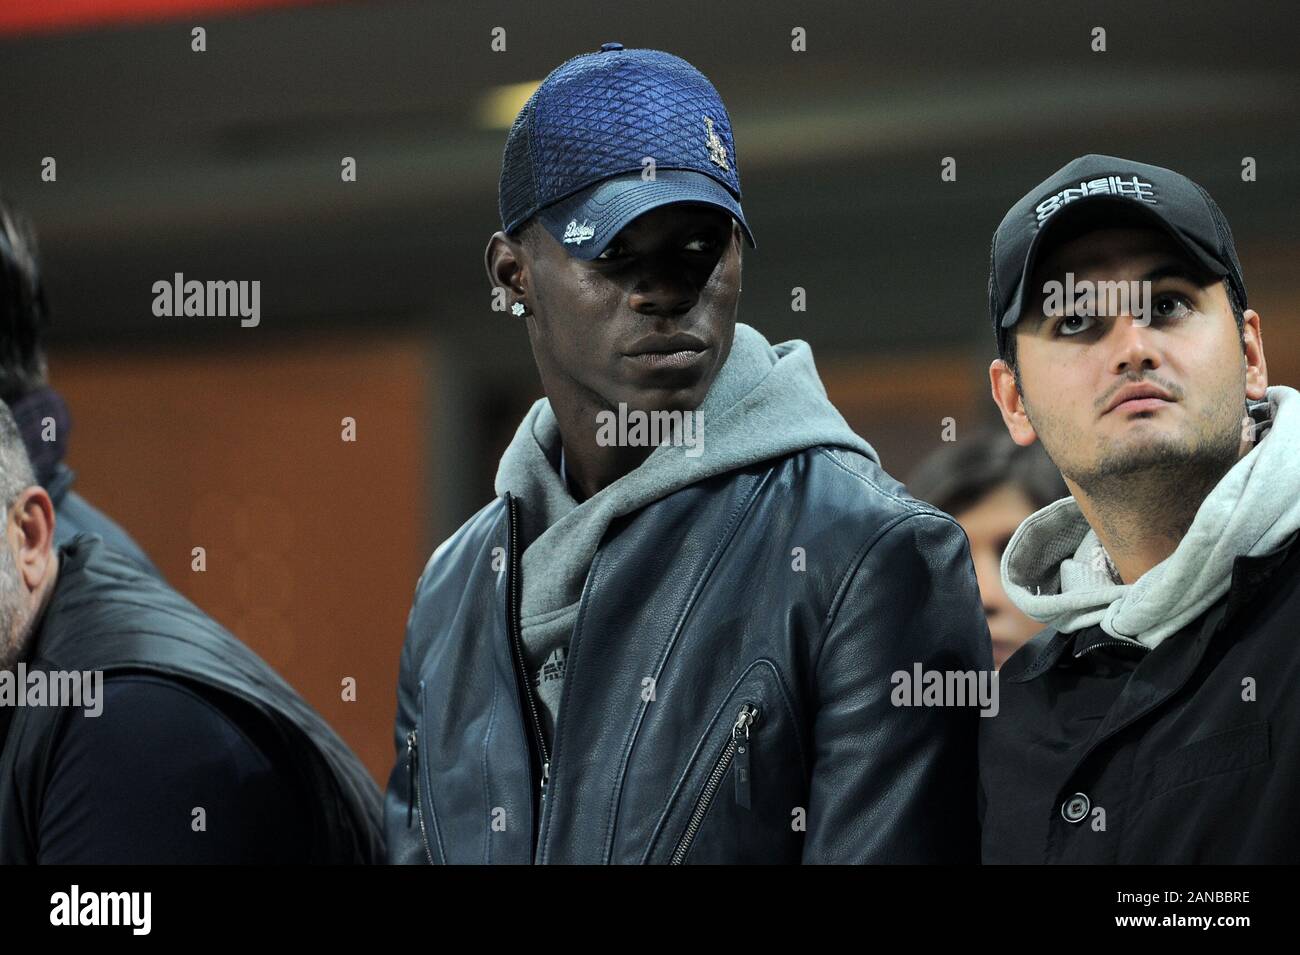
719,704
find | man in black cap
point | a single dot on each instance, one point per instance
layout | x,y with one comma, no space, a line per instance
672,635
1154,720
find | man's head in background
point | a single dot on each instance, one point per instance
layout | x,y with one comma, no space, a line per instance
622,232
24,316
28,559
44,421
1117,301
990,485
23,313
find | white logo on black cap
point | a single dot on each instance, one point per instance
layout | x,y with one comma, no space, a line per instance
1108,185
578,234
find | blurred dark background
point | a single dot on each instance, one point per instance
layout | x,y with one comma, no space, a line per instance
226,165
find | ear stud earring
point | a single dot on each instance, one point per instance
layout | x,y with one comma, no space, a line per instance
518,309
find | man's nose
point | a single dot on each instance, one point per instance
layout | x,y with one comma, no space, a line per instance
1135,346
664,289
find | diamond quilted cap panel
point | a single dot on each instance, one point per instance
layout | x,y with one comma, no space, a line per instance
599,114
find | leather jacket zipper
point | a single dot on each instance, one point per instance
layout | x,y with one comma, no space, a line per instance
412,755
521,668
737,750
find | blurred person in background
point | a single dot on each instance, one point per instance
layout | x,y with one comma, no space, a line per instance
990,484
42,416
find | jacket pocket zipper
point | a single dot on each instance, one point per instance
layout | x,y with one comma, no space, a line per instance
413,807
737,750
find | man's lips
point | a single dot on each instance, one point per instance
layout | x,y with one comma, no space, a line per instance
1137,405
667,351
1135,398
681,358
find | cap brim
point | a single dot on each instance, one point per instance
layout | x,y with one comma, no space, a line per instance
1096,212
585,222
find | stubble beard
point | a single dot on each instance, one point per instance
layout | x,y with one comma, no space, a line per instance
1154,483
15,620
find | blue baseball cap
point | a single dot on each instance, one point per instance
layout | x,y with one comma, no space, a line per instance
576,154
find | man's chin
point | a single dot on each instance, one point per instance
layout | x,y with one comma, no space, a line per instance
1148,446
15,622
676,397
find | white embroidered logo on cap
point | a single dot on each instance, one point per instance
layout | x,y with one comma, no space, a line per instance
717,150
578,234
1108,185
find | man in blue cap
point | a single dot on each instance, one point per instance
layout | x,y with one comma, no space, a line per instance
676,633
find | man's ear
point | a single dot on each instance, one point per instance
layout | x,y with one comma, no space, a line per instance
1011,403
1252,336
504,259
31,528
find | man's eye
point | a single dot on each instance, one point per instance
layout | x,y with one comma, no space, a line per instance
698,244
702,243
1074,324
1171,305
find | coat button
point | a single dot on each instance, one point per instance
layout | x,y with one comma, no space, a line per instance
1075,809
610,47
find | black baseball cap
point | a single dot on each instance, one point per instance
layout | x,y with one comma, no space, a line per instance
576,154
1095,191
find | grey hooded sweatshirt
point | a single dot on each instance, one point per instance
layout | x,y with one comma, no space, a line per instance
1056,570
767,401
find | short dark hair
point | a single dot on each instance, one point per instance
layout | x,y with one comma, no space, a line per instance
23,310
526,232
958,475
16,473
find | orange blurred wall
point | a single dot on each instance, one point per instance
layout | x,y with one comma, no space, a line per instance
313,544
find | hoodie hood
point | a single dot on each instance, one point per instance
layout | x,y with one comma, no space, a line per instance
766,401
1056,570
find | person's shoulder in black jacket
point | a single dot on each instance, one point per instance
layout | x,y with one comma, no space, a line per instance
169,772
75,515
